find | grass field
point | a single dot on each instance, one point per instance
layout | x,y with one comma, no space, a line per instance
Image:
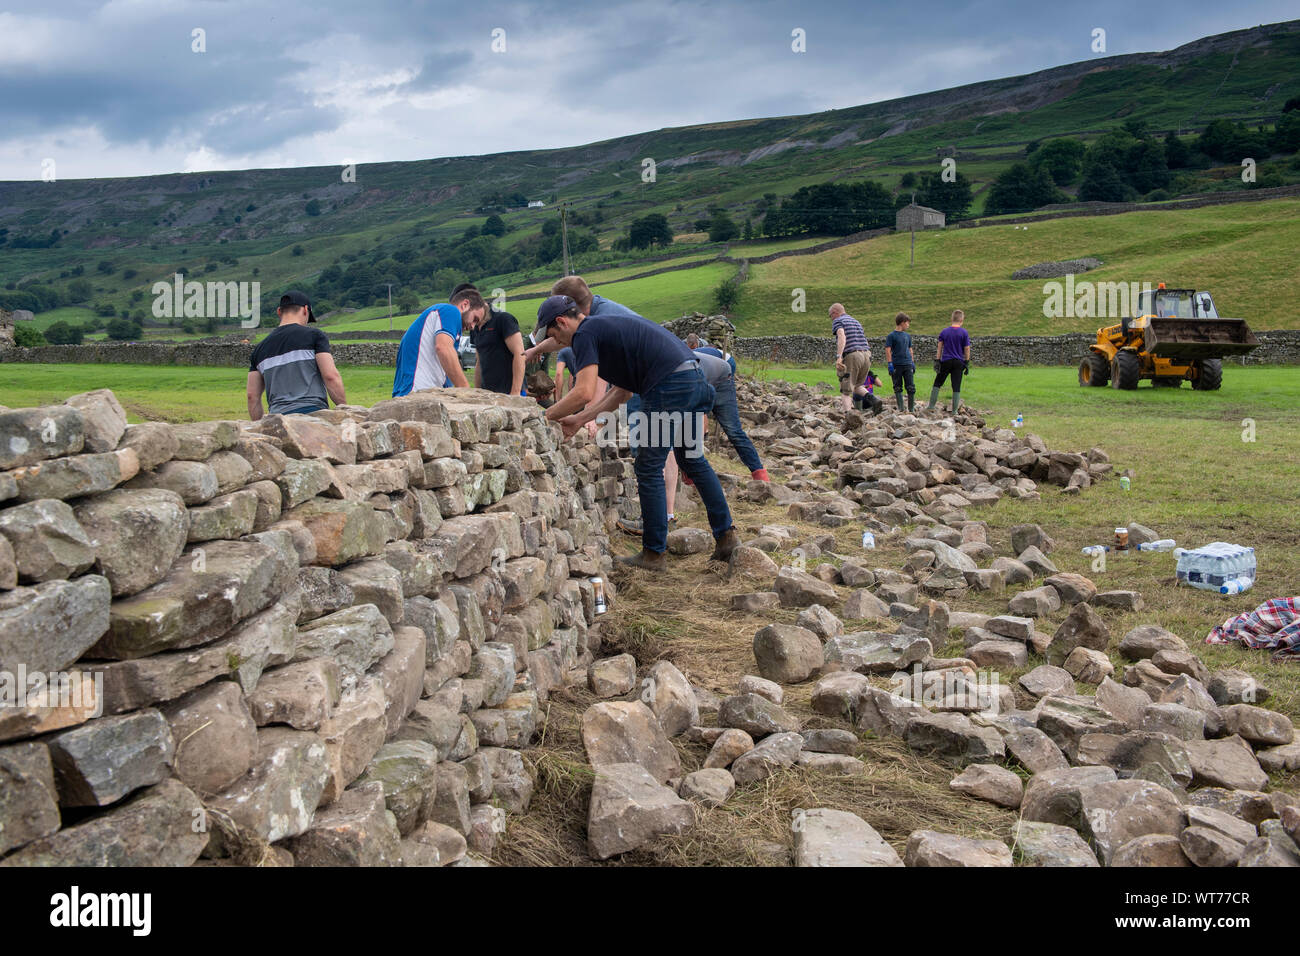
1244,254
165,393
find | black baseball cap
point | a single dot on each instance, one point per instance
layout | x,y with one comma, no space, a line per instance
297,300
550,309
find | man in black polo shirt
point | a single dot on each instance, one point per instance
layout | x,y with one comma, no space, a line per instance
638,357
293,365
499,347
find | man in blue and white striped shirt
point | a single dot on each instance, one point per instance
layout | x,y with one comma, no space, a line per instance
852,356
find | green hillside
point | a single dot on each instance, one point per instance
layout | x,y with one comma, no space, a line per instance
405,224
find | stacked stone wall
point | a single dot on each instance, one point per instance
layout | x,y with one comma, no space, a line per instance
314,639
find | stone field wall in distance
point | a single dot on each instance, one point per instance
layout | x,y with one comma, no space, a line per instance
1281,347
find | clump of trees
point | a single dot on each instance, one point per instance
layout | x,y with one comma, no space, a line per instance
831,209
1130,163
124,330
27,337
64,333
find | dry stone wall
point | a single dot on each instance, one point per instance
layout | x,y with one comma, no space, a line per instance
1280,347
313,639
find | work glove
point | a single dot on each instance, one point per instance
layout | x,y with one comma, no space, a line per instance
937,366
890,366
966,367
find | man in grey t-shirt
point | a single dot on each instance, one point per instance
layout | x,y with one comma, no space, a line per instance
293,365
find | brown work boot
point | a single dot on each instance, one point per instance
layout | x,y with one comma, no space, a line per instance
650,560
728,542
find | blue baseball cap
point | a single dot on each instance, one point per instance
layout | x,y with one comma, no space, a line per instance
551,309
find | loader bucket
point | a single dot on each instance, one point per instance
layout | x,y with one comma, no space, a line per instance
1190,339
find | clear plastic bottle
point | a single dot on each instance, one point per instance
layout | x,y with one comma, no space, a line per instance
1164,544
1096,549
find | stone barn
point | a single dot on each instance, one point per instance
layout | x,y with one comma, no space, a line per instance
919,217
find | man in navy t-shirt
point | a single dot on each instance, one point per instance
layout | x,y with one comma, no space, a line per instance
638,357
951,357
902,363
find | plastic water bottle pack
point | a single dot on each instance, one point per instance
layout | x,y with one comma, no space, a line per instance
1219,566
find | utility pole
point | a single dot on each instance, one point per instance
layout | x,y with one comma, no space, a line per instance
564,234
390,306
912,220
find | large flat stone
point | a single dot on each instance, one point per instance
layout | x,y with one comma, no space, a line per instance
103,760
49,626
138,535
1225,763
264,640
207,592
48,542
154,829
215,735
29,807
621,732
32,435
877,652
825,837
76,476
276,799
629,808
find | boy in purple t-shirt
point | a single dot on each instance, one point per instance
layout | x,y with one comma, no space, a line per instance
952,357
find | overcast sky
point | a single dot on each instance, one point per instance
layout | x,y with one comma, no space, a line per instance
116,88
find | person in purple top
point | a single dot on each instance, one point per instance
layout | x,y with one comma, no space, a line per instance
952,357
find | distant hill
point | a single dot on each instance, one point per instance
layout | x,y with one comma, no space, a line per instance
286,227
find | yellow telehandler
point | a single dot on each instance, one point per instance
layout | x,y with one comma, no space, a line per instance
1176,336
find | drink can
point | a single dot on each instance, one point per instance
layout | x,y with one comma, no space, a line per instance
1121,539
598,586
1124,482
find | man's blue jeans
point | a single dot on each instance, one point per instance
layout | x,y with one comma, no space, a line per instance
727,410
678,397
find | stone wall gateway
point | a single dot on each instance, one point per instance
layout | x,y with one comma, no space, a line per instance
322,637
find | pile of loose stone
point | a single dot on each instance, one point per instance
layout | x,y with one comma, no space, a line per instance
900,467
315,639
1166,766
